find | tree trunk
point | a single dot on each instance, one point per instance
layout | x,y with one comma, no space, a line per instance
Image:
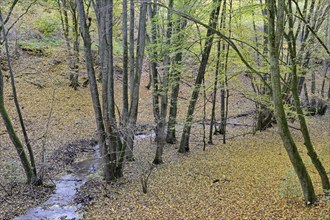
303,125
184,144
10,129
125,63
214,96
94,92
156,86
62,5
175,76
221,129
283,129
136,78
131,46
75,58
129,131
30,176
160,108
115,140
264,114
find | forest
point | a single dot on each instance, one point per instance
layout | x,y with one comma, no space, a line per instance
163,109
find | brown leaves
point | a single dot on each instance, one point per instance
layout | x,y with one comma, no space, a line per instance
233,181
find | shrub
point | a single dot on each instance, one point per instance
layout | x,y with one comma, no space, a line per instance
47,26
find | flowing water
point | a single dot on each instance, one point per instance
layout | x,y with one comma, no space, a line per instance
61,204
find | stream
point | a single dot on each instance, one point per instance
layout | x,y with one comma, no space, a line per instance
61,204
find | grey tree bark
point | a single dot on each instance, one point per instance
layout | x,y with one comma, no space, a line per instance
275,34
160,87
175,77
30,169
214,95
184,143
106,165
303,125
125,62
135,75
66,6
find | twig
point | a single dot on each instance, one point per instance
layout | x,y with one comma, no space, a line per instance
45,136
290,126
145,177
35,84
5,190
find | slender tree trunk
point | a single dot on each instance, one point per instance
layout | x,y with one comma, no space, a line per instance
277,12
264,114
214,97
75,23
184,144
326,66
175,76
221,128
306,94
136,78
105,62
125,81
75,58
160,111
225,68
129,131
156,111
65,27
156,87
114,144
312,107
64,6
94,92
303,125
125,63
131,46
31,178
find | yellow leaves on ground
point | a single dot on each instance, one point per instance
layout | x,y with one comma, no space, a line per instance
240,180
249,178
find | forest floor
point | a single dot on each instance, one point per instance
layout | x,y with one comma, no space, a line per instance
250,177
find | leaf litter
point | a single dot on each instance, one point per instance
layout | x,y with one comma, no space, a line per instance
248,178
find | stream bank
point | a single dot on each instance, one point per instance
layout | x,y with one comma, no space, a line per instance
66,202
61,204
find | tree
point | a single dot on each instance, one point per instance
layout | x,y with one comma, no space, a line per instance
309,24
110,136
221,77
264,113
71,37
184,143
224,92
160,83
294,88
135,72
275,33
109,176
178,35
28,165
